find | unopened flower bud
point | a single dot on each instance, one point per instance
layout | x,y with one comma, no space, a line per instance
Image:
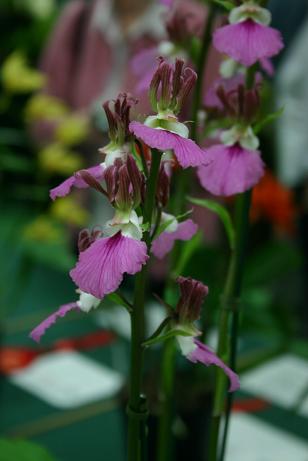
192,295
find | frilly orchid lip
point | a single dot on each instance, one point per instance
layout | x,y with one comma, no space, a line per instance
40,330
65,187
187,152
205,355
230,169
101,267
247,41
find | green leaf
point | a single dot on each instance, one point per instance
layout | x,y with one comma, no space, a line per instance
225,4
22,450
268,119
222,212
117,298
188,249
168,335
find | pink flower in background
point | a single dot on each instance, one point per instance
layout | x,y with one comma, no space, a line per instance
76,181
230,169
163,244
248,38
101,267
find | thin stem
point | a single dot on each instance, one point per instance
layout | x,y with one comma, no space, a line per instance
165,446
229,304
136,408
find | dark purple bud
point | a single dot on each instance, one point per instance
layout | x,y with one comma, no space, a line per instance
91,181
163,187
117,113
124,183
86,238
137,180
192,295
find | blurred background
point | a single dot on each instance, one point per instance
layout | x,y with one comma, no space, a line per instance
65,399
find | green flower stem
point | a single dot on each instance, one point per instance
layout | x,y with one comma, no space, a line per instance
165,439
229,305
250,78
136,409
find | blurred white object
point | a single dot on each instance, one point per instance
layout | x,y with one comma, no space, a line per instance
281,381
68,379
253,440
292,126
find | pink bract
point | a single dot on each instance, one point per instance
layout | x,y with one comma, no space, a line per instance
40,330
163,244
205,355
187,152
101,267
65,187
248,41
230,169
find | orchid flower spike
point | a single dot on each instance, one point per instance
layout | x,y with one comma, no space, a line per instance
117,148
169,87
192,294
248,37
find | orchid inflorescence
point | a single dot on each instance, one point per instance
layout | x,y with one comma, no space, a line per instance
139,165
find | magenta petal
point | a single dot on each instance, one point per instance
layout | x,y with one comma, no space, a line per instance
205,355
39,331
230,169
65,187
164,242
101,267
248,41
187,152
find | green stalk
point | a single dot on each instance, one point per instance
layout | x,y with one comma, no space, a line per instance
165,444
229,304
136,409
250,78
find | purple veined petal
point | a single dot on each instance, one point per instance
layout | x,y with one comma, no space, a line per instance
65,187
230,169
248,41
187,152
163,244
40,330
205,355
101,267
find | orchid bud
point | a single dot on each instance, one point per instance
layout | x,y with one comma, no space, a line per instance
192,295
118,117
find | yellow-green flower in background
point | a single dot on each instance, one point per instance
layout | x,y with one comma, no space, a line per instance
41,106
68,210
18,77
56,158
42,229
73,129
